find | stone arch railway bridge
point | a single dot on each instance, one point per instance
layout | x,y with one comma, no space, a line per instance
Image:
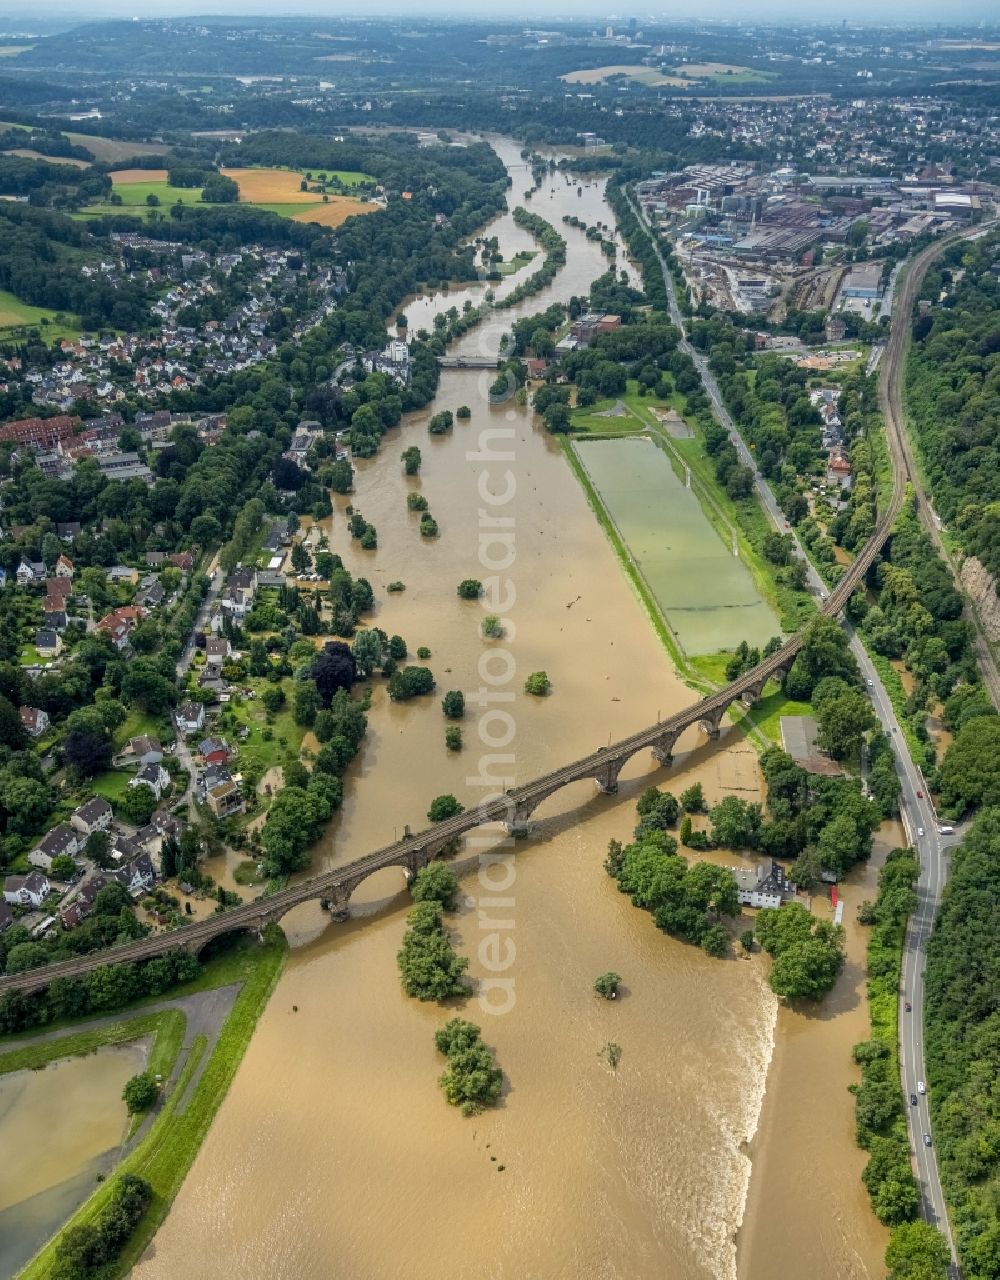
513,808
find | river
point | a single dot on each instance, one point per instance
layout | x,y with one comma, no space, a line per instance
334,1152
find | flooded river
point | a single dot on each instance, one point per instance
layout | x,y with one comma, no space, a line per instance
334,1153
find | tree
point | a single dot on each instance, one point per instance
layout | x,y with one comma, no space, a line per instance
306,703
805,970
273,698
470,589
333,668
140,1092
746,940
969,775
98,849
453,704
442,807
472,1079
411,460
607,985
735,823
410,682
87,746
844,717
453,738
137,804
63,868
435,883
917,1251
538,684
693,799
429,967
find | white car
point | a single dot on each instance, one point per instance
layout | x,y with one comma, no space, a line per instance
920,831
921,1087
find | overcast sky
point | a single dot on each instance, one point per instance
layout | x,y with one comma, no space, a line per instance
793,10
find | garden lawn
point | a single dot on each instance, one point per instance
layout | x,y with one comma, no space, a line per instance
112,784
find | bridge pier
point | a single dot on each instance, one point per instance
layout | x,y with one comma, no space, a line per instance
607,779
663,751
339,904
711,723
518,823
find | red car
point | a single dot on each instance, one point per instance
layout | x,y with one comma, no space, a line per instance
920,795
909,1007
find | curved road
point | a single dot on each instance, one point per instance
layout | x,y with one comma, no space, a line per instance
919,817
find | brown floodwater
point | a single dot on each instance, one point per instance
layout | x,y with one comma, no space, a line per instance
334,1153
59,1127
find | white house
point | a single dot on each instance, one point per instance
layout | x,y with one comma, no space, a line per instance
190,717
763,885
137,876
64,567
153,776
61,842
26,891
93,815
30,571
35,720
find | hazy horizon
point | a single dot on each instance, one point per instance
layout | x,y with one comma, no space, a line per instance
858,12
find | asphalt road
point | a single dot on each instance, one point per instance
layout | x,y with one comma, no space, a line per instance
919,818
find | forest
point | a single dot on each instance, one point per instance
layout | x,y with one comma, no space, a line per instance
963,1046
953,393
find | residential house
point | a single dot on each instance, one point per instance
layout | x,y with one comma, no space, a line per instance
156,559
120,623
30,572
214,750
64,567
34,720
61,842
150,595
55,620
183,560
763,885
67,530
93,815
153,776
48,642
190,717
123,573
218,649
58,589
144,749
225,799
26,891
137,876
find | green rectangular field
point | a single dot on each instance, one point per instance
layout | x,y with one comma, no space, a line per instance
707,594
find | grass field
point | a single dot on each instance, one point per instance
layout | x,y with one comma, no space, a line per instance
115,150
27,154
274,190
644,75
15,314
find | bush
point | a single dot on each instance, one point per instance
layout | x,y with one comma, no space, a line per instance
472,1079
453,704
538,684
491,627
607,985
470,589
453,738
